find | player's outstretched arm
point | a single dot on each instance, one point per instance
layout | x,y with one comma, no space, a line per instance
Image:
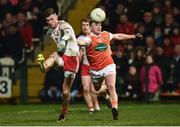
120,36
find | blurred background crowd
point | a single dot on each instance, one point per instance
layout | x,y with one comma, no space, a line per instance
147,68
154,60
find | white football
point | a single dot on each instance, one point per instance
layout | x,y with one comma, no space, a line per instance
98,15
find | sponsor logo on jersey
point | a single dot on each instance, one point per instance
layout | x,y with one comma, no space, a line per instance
105,38
101,47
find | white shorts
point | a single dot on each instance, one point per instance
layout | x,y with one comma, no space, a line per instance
98,76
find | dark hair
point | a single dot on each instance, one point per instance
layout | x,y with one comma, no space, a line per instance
49,12
85,20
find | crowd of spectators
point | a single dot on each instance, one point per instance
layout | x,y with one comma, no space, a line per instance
158,21
20,22
145,67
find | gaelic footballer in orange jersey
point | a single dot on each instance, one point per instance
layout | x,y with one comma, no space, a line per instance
101,62
99,53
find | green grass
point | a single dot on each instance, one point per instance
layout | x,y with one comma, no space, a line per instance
130,114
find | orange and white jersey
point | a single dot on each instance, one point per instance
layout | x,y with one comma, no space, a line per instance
98,52
66,32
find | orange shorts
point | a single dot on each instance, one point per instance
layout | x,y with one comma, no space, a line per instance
85,70
71,63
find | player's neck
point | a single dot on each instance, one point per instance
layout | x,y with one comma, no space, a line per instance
85,34
95,34
56,26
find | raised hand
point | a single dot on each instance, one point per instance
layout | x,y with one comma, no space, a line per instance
138,35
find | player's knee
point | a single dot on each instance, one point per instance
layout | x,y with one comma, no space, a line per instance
111,87
69,74
86,90
51,58
66,93
60,61
53,55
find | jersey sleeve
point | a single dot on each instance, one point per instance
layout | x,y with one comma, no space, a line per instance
84,40
67,30
67,34
107,35
49,31
111,36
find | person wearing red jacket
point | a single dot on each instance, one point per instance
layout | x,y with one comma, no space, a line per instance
151,79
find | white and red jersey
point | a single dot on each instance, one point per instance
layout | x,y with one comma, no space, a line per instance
65,31
83,49
85,67
84,57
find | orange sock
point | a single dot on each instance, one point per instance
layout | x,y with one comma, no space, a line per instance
64,110
114,104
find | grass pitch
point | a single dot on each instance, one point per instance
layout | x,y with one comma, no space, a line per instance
130,114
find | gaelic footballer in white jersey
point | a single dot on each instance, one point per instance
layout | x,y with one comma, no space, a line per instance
66,56
64,37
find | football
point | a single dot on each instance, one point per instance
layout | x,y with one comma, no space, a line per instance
98,15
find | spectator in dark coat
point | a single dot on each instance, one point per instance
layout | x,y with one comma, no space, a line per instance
14,45
132,83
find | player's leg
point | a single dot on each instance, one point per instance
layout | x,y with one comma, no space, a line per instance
49,62
99,87
67,84
90,98
71,65
86,82
95,101
102,90
110,82
110,79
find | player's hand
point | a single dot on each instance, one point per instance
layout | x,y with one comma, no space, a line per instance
138,35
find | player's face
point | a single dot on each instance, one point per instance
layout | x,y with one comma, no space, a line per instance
96,28
85,27
52,20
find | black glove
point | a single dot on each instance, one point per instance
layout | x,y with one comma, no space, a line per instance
138,35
